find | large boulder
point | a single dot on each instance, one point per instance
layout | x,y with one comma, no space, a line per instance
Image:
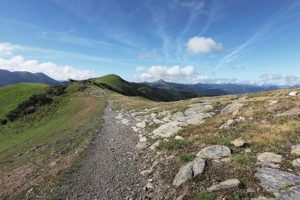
214,152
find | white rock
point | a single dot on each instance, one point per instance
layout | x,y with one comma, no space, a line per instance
141,124
178,116
228,184
197,108
230,123
295,149
238,142
125,121
135,129
178,137
293,93
155,145
269,159
141,145
272,102
296,163
167,130
143,139
214,152
146,172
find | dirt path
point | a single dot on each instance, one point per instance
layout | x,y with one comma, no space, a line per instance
111,169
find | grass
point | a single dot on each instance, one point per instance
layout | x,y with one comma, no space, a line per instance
42,145
242,159
206,196
187,157
11,96
173,144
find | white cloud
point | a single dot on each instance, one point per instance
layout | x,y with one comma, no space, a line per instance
7,48
58,72
278,79
198,45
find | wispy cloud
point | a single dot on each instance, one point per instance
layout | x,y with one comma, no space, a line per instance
268,31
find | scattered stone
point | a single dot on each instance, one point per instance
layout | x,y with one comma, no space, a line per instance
272,102
248,150
125,121
262,198
226,160
238,142
293,93
146,172
141,145
292,193
228,184
269,159
155,145
178,137
141,124
214,152
167,130
295,149
143,139
229,124
149,187
135,129
191,169
296,163
274,180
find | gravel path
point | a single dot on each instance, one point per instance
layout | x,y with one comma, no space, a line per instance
111,169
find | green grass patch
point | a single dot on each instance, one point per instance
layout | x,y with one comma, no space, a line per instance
206,196
242,159
12,95
174,144
187,157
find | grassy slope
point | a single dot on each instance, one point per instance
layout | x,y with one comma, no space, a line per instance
44,144
11,96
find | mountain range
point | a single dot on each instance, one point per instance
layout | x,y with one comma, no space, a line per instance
8,78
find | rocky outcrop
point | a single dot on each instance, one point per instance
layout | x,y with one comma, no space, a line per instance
269,159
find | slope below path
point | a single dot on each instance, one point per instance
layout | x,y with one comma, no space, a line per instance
111,168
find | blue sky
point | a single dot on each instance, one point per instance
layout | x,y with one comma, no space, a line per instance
251,41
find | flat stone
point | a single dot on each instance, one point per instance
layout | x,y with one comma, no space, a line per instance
269,159
214,152
296,163
198,108
295,149
178,116
238,142
228,184
196,119
262,198
189,170
125,121
293,93
273,102
143,139
292,193
178,137
234,107
141,145
167,130
274,180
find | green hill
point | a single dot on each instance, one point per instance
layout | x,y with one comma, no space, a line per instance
117,84
11,96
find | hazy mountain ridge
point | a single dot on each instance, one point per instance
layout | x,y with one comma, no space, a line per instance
8,78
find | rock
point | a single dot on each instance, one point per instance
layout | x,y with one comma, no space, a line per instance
230,123
269,159
143,139
141,145
135,129
141,124
125,121
198,166
177,137
293,93
295,149
196,119
262,198
248,150
238,142
197,108
234,107
271,103
214,152
191,169
296,163
226,160
178,116
228,184
292,193
149,187
184,174
146,172
155,145
274,180
167,130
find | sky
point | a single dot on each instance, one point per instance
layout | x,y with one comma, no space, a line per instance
186,41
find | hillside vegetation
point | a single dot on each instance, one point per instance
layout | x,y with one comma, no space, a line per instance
12,95
36,149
